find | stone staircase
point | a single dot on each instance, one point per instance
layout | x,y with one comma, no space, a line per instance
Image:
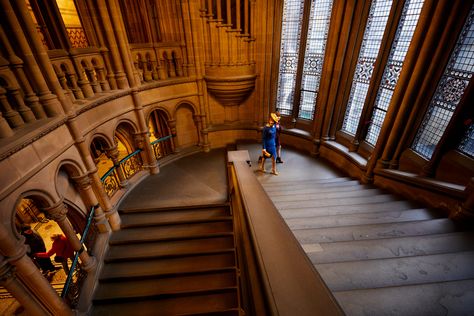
378,253
172,261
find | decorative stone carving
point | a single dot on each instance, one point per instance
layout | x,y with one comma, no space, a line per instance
230,84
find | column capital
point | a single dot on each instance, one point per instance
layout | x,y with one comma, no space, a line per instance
56,212
113,153
82,181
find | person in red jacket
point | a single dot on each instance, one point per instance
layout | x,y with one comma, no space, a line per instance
63,250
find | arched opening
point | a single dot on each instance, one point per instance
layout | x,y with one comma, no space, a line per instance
160,134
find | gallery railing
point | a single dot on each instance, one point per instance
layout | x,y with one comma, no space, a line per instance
129,166
77,275
157,146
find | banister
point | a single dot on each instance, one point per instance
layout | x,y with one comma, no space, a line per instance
76,256
289,282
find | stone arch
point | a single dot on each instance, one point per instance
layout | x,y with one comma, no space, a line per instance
187,133
41,198
124,132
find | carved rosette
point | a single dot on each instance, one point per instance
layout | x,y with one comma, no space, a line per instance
230,84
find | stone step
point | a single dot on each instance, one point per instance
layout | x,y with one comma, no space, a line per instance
389,247
367,274
169,248
348,209
360,219
167,266
171,285
310,182
219,303
275,192
167,217
336,201
171,232
445,298
376,231
326,195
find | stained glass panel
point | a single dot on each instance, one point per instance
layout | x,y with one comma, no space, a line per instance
290,43
448,93
378,16
401,42
314,56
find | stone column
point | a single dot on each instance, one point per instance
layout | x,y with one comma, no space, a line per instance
5,130
41,55
83,183
143,137
50,102
11,283
84,151
58,214
198,122
10,115
17,66
120,76
24,111
172,126
38,289
113,154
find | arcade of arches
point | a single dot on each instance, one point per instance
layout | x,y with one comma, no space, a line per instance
96,95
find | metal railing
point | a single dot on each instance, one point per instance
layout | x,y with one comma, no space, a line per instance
129,165
77,275
157,147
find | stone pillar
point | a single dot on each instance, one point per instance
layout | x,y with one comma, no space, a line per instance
5,130
31,98
198,123
24,111
111,214
143,138
113,154
10,115
58,214
83,183
120,77
49,101
41,55
11,283
82,81
63,82
39,291
172,126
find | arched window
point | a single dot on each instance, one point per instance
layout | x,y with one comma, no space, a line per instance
299,76
457,75
401,42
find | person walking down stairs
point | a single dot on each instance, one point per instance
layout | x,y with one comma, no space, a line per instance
268,142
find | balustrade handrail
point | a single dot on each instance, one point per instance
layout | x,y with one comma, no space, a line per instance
277,277
162,139
136,152
76,256
107,173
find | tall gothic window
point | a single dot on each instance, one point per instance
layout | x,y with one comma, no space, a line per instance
305,82
401,42
450,89
73,23
374,30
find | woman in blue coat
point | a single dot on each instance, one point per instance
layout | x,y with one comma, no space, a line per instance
269,144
